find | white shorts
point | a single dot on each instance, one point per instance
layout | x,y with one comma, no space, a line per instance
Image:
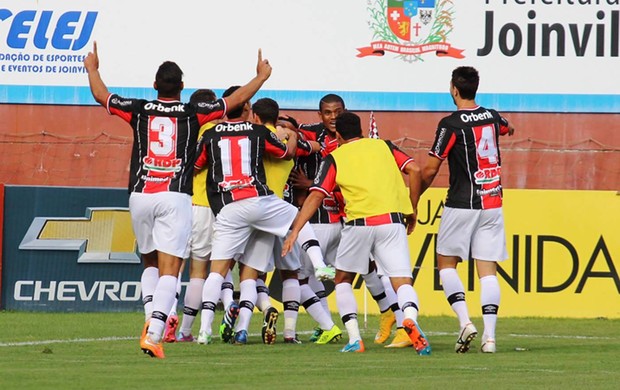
236,222
162,222
481,231
328,235
387,244
259,250
264,250
202,232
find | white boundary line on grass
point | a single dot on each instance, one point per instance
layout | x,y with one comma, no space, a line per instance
84,340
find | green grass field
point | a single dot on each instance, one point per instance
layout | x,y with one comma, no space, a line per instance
100,350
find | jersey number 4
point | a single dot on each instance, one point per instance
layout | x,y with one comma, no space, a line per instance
486,146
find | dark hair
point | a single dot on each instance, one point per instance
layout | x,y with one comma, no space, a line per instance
348,125
331,98
202,96
267,110
169,79
465,79
237,112
290,120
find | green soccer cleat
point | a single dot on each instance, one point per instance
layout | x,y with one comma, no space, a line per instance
330,336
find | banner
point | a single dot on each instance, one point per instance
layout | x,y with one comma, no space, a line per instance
72,249
389,55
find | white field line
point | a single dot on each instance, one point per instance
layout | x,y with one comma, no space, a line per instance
99,339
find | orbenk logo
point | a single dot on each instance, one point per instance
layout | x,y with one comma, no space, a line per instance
411,29
105,235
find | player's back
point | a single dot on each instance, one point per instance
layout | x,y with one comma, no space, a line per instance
233,151
165,136
469,139
370,179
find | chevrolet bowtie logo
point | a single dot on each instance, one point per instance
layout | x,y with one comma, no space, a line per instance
103,236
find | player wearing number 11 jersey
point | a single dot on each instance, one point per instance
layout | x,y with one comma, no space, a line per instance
472,221
244,205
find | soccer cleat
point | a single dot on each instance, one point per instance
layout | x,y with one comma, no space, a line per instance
386,321
325,273
401,340
151,348
241,337
182,338
228,322
357,346
316,335
330,336
291,340
204,338
488,346
171,329
145,329
467,335
269,326
417,337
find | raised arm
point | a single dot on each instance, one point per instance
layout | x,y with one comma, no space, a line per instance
245,93
97,87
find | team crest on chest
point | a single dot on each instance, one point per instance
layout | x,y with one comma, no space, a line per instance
410,29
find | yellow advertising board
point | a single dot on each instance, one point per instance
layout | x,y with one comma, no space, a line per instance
564,249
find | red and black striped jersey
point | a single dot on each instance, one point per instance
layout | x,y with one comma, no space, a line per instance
233,152
469,139
330,210
165,136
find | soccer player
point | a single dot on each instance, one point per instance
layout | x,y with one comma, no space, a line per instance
243,205
368,172
202,235
165,135
326,222
472,220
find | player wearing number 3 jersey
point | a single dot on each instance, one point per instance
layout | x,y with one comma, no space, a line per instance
165,133
472,221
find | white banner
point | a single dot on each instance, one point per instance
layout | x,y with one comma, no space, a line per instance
533,55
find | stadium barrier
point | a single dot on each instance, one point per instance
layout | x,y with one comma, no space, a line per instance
72,249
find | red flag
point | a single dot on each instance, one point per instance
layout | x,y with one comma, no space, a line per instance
373,131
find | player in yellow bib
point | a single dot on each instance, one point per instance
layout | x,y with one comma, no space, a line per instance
368,173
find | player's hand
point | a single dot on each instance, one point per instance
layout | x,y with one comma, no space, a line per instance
299,179
411,220
91,61
285,134
511,130
263,68
287,246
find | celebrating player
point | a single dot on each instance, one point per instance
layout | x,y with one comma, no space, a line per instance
244,204
165,135
368,172
472,220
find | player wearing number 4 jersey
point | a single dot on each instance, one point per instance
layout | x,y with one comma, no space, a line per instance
165,133
472,221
